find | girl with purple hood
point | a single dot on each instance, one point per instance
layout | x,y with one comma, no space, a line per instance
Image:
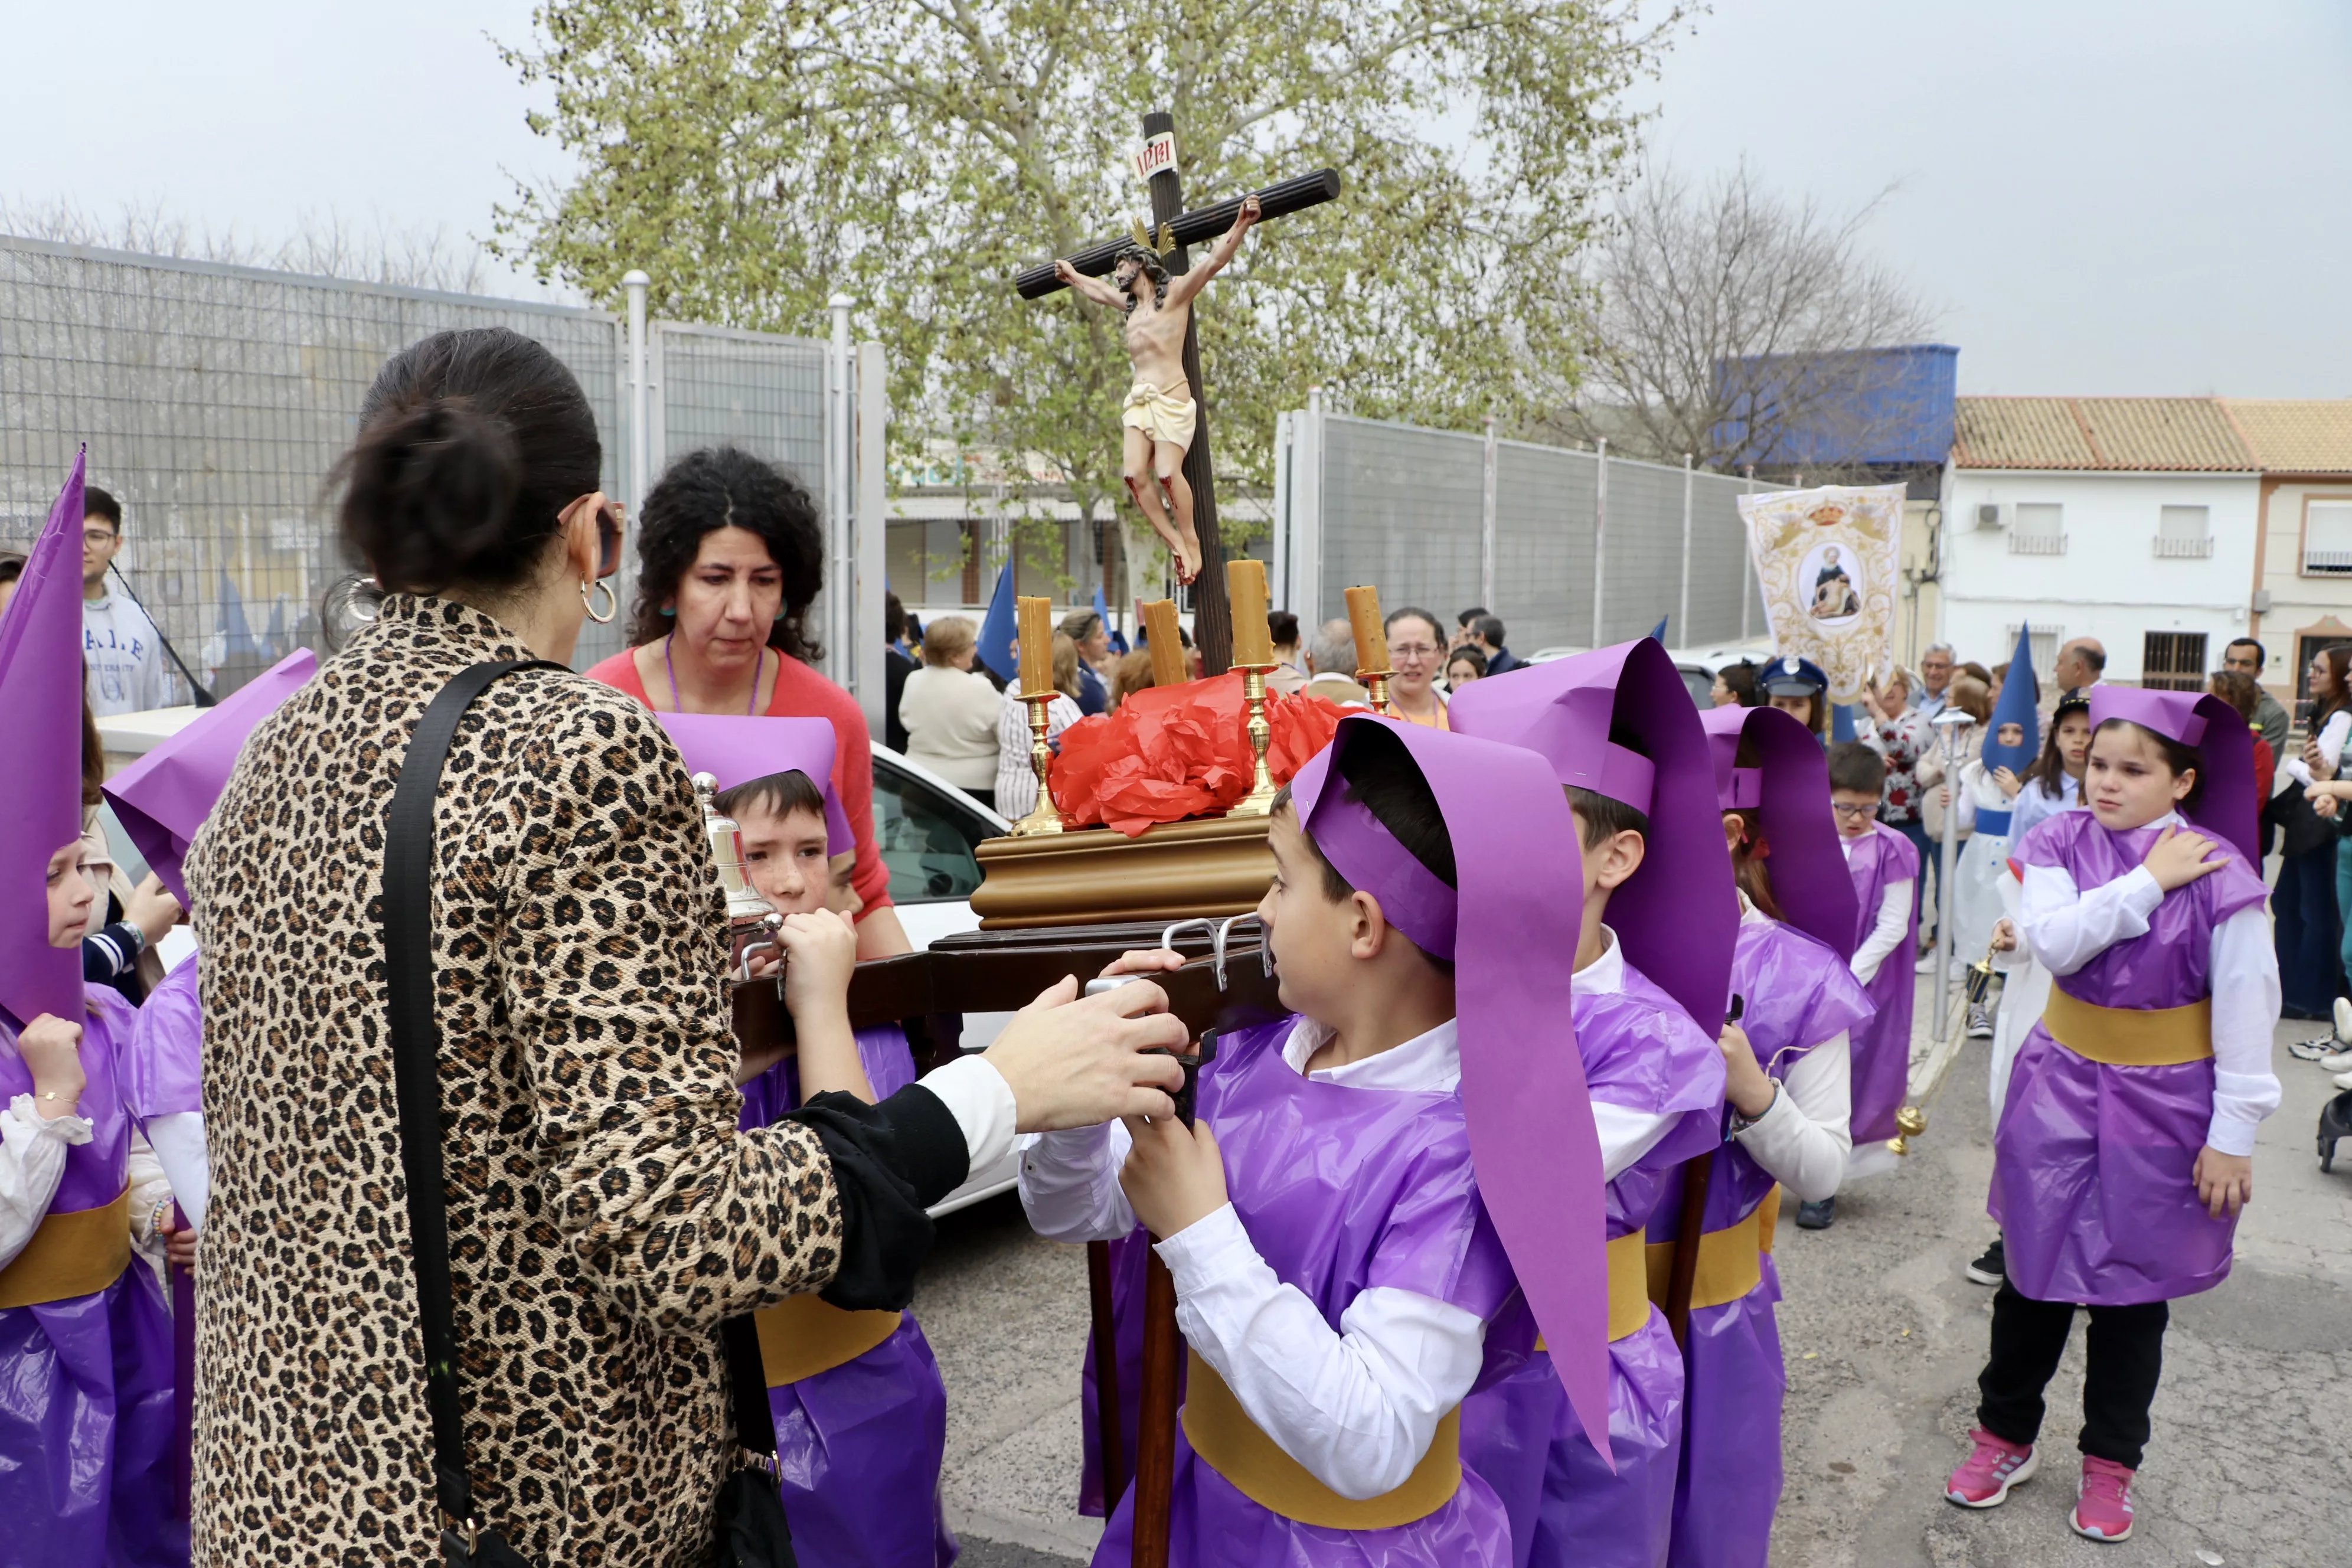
85,1339
859,1406
2124,1150
1652,954
1788,1064
1373,1180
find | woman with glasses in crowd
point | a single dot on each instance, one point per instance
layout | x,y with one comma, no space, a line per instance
1416,654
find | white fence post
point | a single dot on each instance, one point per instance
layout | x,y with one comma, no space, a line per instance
1600,533
1278,549
1306,516
873,523
1747,565
1486,523
634,484
1681,614
840,468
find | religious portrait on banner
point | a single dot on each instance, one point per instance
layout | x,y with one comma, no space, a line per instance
1827,563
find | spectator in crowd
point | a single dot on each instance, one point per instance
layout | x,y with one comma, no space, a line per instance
2308,922
1092,639
1973,697
1487,636
1797,686
950,713
1331,660
730,554
2245,657
1735,687
1133,674
1288,673
1017,768
1416,645
12,572
2080,665
895,667
1463,665
1899,732
1466,624
120,649
1935,680
119,949
1974,671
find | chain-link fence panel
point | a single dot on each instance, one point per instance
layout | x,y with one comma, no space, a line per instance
1402,509
1544,509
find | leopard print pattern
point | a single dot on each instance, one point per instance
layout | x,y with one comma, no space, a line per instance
604,1213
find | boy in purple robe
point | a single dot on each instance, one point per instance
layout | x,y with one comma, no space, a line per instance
1787,1062
1372,1180
1653,967
85,1339
1885,868
859,1406
2124,1149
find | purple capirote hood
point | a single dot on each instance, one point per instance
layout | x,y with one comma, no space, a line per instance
1676,915
163,798
2227,807
736,749
1791,786
1532,1138
40,713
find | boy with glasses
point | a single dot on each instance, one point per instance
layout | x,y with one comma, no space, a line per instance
119,648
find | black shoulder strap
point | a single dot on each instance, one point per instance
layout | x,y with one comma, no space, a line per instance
416,1055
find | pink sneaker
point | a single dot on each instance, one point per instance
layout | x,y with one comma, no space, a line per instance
1993,1467
2103,1510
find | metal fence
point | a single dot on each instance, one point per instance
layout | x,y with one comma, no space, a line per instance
216,401
1557,543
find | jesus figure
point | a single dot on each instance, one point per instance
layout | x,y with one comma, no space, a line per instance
1160,413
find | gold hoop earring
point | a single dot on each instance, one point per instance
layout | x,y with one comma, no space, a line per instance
588,601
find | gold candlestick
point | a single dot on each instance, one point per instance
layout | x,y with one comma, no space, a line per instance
1043,817
1376,681
1260,799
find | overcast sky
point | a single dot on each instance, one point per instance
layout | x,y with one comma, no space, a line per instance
2100,196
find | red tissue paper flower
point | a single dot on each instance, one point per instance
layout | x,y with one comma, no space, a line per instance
1174,751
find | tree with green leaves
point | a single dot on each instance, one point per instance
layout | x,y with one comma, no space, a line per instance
756,157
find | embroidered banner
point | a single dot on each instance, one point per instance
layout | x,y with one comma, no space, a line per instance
1827,561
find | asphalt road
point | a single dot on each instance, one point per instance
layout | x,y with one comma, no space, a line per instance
1883,1337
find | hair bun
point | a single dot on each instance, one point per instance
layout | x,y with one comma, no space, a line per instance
433,486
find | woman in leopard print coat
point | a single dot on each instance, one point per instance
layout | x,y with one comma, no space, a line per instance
604,1213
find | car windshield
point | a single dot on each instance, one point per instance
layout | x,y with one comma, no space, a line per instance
927,840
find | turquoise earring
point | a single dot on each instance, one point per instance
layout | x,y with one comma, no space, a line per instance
670,609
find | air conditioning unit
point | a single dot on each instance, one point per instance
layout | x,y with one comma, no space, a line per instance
1992,514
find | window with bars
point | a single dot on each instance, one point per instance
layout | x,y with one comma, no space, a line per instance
2327,537
2172,661
2040,529
2184,532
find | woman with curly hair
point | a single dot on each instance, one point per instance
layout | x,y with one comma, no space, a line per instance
731,553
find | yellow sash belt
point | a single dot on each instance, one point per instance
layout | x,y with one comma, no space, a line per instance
79,1253
1629,1288
802,1336
1730,1260
2130,1037
1221,1433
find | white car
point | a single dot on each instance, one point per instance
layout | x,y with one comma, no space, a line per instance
928,831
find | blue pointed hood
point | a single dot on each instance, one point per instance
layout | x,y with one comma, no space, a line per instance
2021,700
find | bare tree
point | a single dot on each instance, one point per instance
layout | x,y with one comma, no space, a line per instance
1732,324
322,245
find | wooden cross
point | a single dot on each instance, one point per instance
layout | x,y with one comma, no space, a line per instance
1212,616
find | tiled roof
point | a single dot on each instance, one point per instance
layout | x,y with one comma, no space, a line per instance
2295,435
2136,433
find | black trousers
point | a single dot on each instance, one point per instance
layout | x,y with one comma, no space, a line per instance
2123,1348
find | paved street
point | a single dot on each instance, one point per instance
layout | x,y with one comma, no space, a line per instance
1883,1337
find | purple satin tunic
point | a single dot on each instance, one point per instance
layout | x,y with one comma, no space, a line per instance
860,1446
1643,1052
85,1424
1882,1047
2091,1163
1340,1189
1798,992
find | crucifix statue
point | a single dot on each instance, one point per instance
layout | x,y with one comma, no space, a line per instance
1166,419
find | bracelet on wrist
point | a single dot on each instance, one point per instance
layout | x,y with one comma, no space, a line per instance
1741,1122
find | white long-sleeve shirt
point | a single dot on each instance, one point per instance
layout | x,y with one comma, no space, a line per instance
2331,737
32,1164
1016,770
1804,1136
2067,927
2032,808
1887,931
1356,1406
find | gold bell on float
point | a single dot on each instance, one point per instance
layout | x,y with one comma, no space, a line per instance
1980,980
